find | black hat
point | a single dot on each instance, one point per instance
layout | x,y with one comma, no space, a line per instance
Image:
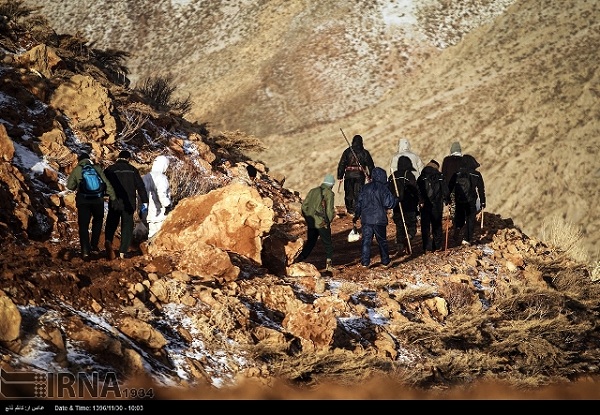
83,156
124,154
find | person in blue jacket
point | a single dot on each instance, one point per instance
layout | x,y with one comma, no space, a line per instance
374,201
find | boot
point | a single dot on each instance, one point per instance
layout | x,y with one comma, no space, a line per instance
329,266
110,252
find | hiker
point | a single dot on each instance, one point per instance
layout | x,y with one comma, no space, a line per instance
434,195
450,165
355,167
90,207
467,185
404,149
159,193
374,200
318,210
403,184
128,185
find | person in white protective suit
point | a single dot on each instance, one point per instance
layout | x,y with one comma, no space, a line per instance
159,193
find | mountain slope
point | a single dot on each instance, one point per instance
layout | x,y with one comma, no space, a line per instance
520,94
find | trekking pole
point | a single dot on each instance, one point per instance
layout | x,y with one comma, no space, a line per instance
364,169
402,214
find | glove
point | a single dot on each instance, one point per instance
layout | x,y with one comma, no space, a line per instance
482,206
117,205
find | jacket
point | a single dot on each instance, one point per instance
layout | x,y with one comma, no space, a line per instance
348,165
127,182
375,199
76,176
469,165
158,188
404,149
313,199
450,165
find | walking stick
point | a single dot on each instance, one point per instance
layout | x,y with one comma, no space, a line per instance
402,214
482,218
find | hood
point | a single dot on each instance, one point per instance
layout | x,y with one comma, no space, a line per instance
160,165
470,162
379,175
357,142
404,163
455,148
403,145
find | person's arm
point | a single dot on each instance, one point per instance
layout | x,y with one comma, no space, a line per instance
140,187
110,190
74,178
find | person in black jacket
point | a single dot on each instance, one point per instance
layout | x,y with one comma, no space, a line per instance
374,200
404,180
355,167
128,185
466,207
434,194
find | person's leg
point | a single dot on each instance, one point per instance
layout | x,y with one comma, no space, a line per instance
97,209
426,229
312,235
381,237
367,239
459,220
126,231
349,194
470,218
84,215
325,234
112,223
438,235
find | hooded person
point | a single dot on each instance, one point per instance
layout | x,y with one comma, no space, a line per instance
468,188
374,201
434,195
403,184
355,167
404,149
318,210
159,193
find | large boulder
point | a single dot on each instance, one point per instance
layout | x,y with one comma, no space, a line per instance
200,232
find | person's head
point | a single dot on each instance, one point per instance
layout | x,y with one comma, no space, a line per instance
403,145
455,148
124,154
434,164
357,141
379,175
404,163
160,164
83,156
329,180
469,162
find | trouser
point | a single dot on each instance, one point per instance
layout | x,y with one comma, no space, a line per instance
112,223
465,213
431,230
380,233
352,187
410,219
89,210
312,235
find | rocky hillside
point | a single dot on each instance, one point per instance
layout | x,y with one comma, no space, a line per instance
516,82
214,306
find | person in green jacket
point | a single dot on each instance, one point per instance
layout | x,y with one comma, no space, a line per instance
318,210
90,207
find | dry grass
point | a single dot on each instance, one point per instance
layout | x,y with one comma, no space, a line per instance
559,233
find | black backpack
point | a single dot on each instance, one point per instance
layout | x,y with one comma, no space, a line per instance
92,184
433,188
464,189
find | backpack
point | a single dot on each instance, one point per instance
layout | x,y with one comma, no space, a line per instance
464,190
433,188
92,184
